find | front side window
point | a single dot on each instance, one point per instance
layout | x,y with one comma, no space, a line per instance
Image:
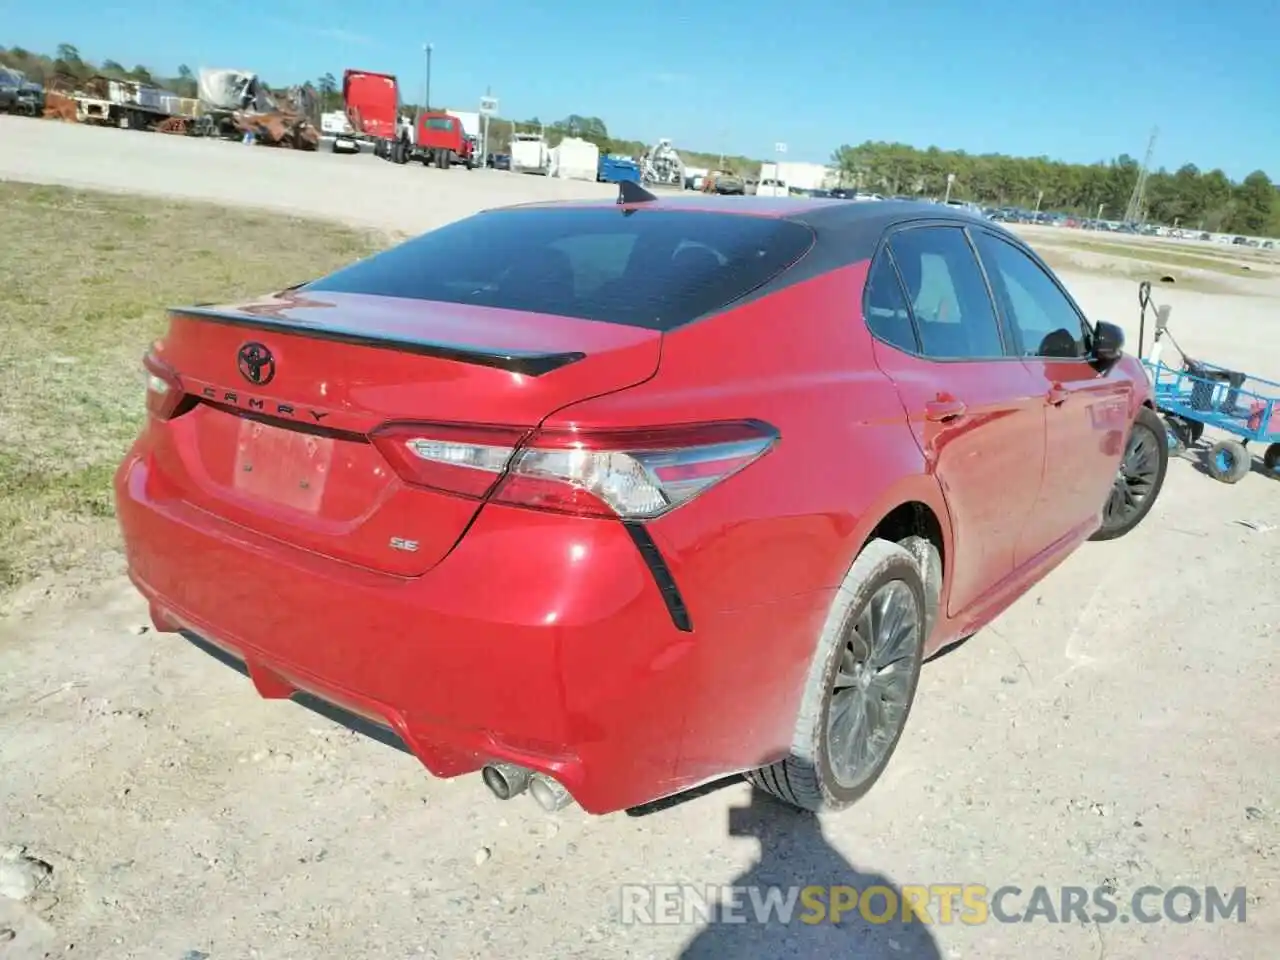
1045,320
948,295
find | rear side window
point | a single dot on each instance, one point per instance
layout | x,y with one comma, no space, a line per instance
948,294
645,268
885,306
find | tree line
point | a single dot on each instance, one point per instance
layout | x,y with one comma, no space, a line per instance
1187,196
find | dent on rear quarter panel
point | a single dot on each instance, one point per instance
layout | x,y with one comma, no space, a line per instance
790,523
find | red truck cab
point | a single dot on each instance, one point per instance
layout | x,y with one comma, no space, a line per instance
372,101
442,141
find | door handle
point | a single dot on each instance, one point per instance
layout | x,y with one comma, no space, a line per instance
1057,395
944,409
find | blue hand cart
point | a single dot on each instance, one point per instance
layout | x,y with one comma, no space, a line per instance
1195,395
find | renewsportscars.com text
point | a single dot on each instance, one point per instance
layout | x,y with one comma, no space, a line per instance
939,903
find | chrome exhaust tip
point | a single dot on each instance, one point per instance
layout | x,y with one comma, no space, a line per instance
550,794
505,780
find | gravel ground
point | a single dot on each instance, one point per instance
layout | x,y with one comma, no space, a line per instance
1118,727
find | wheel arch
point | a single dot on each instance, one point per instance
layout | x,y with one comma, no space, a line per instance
915,507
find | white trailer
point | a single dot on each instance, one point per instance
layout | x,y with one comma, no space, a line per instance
529,153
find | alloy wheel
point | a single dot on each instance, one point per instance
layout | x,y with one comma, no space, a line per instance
1136,477
872,688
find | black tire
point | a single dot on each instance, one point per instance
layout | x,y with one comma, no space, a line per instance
1228,461
1178,434
1157,432
805,777
1197,431
1271,460
929,559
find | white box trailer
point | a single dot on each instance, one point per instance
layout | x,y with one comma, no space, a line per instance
335,124
574,159
529,153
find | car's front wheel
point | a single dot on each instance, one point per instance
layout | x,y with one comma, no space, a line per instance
1139,476
860,687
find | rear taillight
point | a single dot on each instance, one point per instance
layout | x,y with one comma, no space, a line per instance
164,389
632,474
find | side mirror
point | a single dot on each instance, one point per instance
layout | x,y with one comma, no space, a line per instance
1162,318
1108,343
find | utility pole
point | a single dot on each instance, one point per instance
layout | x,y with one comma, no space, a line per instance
427,48
488,108
1137,200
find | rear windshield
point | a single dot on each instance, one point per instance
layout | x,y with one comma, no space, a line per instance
647,268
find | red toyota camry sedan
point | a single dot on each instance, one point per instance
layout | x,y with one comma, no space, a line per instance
609,500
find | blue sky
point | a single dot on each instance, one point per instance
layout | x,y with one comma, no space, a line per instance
1082,81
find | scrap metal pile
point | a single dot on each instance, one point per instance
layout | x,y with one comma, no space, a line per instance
112,101
231,103
237,102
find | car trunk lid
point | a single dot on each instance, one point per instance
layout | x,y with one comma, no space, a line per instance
283,393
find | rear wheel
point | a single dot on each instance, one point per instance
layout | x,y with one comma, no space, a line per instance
1138,478
1229,461
860,687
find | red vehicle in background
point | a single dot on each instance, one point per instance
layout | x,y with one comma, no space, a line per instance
372,101
442,141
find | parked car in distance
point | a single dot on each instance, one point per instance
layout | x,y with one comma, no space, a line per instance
511,495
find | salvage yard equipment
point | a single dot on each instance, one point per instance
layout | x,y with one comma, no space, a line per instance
239,103
106,101
662,165
1196,394
20,95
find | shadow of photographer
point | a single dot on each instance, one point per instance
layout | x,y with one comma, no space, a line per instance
797,864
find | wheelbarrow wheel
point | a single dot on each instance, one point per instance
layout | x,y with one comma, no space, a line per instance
1229,461
1271,460
1176,434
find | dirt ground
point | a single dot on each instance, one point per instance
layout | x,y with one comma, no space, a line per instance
1117,728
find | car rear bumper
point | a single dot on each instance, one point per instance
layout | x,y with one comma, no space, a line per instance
540,640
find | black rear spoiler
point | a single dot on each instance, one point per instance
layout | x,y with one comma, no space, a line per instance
530,363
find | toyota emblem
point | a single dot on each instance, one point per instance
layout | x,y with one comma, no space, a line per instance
256,364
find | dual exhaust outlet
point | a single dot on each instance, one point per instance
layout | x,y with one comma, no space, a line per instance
507,780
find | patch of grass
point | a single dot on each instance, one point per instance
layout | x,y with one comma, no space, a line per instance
87,278
1136,270
1168,256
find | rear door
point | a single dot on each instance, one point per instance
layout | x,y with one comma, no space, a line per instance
1086,412
976,412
